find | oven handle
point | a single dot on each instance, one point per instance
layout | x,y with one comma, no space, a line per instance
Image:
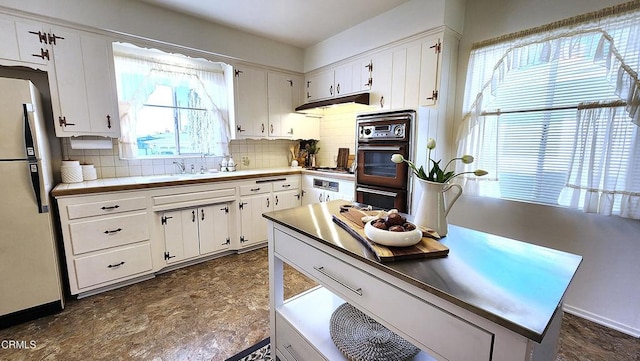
368,147
375,191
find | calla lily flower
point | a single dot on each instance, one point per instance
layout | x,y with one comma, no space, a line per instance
397,158
436,174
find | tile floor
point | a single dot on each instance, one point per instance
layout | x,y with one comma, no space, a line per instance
211,311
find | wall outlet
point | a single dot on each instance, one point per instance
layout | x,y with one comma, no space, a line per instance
245,160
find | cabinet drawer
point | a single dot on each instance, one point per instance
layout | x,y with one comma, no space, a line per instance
258,188
213,196
291,344
93,235
428,324
112,265
289,183
105,207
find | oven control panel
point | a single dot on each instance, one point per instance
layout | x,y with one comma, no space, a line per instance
382,131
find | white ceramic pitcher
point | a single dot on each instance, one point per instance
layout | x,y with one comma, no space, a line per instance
432,210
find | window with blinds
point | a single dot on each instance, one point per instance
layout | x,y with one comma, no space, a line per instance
526,121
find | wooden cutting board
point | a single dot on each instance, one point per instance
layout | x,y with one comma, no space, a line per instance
427,248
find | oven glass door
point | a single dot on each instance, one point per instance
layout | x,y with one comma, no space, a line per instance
376,168
385,199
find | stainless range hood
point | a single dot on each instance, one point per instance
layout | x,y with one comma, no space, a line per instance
360,98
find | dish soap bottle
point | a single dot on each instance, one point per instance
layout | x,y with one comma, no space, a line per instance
225,164
231,165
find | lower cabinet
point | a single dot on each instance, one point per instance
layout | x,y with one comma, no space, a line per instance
264,195
194,232
254,226
106,239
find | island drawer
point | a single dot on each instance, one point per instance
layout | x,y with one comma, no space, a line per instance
427,324
113,265
291,344
249,189
105,207
102,233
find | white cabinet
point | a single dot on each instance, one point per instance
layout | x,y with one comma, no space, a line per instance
381,79
254,226
106,239
24,41
251,102
430,70
194,232
260,196
320,86
302,126
344,79
283,92
84,99
265,100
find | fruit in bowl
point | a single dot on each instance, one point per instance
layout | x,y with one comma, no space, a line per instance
393,230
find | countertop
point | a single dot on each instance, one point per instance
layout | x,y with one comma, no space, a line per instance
515,284
147,182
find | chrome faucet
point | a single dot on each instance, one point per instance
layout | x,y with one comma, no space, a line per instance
180,166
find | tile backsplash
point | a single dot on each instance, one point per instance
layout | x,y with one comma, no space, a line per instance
259,154
337,130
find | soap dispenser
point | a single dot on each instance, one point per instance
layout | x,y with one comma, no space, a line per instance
231,165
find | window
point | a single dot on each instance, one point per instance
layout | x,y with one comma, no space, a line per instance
170,104
553,116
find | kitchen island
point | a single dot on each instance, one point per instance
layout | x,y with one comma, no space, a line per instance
491,298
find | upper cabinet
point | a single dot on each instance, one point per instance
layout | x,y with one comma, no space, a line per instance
85,82
406,74
24,41
345,79
80,72
265,102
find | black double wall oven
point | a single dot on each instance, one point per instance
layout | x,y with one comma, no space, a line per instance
380,182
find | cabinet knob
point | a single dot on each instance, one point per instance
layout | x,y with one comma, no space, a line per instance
276,200
331,90
382,101
262,127
108,121
268,204
271,128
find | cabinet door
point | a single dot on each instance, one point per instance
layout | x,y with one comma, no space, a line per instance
429,69
280,96
180,235
213,227
381,80
85,84
301,126
9,40
411,77
251,102
102,101
320,86
286,199
254,226
343,80
33,48
71,83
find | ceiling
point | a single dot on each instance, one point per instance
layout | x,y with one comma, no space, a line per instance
300,23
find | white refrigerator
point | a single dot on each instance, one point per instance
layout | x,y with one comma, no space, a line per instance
30,283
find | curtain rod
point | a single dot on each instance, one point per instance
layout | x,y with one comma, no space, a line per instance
613,104
579,19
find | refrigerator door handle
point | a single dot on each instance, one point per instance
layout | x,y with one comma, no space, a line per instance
43,206
29,141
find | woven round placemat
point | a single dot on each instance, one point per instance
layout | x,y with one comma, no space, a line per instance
361,338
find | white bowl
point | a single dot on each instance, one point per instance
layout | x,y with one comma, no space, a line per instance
393,239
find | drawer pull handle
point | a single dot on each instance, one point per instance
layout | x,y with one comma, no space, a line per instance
286,185
110,208
255,189
289,349
357,291
113,231
115,265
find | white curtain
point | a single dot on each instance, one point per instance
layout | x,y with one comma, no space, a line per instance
616,41
604,176
210,134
